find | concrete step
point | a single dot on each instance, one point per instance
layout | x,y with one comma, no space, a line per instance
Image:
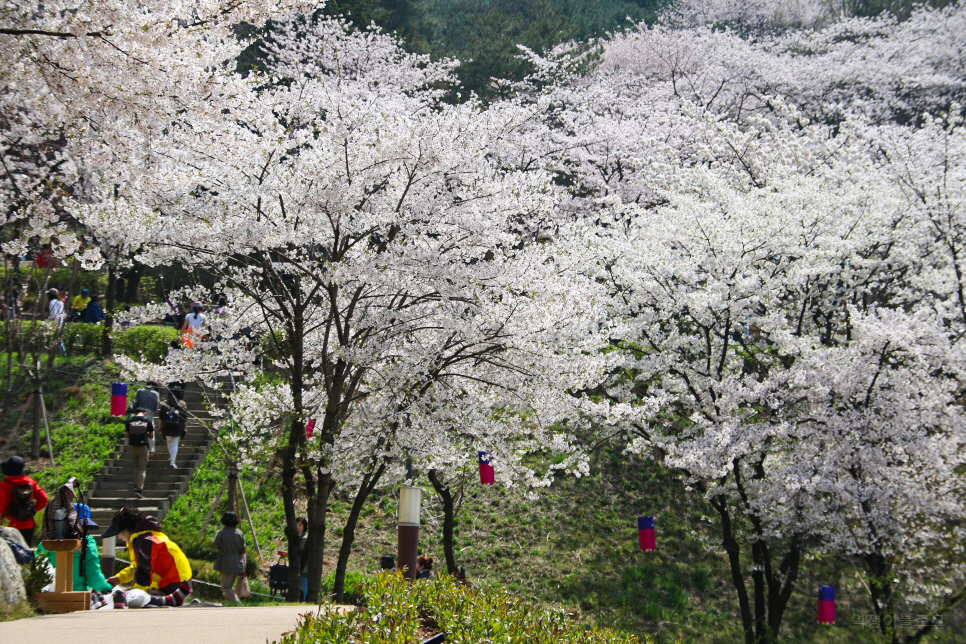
169,475
105,488
128,499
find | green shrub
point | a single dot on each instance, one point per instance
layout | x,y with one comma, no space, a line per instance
396,610
81,338
35,575
150,341
355,587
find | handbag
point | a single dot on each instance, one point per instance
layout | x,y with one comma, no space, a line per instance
242,589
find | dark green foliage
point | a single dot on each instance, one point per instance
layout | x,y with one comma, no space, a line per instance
396,611
81,338
149,341
35,575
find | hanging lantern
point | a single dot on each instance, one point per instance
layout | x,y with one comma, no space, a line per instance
645,534
826,605
486,470
309,428
118,398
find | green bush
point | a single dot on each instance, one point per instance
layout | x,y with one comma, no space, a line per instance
355,587
81,338
150,341
396,610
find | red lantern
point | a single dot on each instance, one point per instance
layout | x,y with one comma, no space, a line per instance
826,605
118,398
309,428
486,470
645,534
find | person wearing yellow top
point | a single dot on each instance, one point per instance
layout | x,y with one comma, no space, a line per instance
156,561
79,303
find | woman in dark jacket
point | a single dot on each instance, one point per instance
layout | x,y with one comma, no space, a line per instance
230,544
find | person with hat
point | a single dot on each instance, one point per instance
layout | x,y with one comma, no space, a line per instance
79,303
20,498
87,561
230,544
157,563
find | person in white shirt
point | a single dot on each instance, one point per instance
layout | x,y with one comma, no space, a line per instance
193,320
55,307
191,327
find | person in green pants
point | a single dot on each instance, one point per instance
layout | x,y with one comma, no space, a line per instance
88,576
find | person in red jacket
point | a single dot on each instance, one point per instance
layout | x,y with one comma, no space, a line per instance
20,498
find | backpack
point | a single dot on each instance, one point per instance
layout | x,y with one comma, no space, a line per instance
22,506
137,427
171,423
278,578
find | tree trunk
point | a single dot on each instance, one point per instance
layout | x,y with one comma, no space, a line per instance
733,551
288,454
233,488
107,347
449,521
348,534
318,491
132,281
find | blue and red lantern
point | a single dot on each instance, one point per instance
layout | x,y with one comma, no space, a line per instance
118,398
486,470
645,534
826,605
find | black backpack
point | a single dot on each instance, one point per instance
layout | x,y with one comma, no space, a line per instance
137,427
278,578
22,506
171,423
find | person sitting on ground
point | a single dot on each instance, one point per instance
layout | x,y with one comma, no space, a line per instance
87,561
230,544
157,562
20,498
424,567
79,303
93,313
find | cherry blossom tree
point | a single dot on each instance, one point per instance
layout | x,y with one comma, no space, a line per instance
401,278
773,207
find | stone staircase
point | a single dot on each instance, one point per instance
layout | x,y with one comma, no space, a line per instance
113,486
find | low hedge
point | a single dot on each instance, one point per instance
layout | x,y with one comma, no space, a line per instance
399,612
148,340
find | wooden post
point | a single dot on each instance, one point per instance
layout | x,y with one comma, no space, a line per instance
248,514
43,408
211,510
64,599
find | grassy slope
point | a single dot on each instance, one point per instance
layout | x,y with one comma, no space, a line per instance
575,545
77,397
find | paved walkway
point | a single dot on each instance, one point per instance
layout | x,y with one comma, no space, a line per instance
185,625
